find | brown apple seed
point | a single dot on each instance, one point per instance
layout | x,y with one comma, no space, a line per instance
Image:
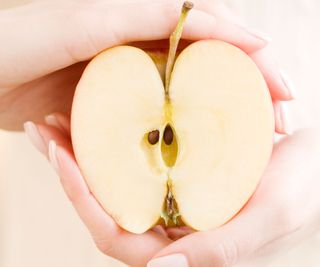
168,135
153,137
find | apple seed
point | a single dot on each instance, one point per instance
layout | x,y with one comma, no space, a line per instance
153,137
168,135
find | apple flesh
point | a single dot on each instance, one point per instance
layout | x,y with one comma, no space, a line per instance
219,111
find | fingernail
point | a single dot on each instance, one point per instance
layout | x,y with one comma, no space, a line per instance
35,137
288,83
176,260
53,121
259,34
286,120
53,155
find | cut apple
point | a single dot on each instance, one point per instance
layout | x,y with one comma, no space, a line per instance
192,153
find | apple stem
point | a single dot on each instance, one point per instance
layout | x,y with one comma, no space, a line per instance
174,42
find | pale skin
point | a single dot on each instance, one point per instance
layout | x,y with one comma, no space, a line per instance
42,56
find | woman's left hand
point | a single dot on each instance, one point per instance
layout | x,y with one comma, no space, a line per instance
284,210
45,46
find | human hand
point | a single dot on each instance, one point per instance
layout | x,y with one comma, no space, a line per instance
45,46
284,210
133,249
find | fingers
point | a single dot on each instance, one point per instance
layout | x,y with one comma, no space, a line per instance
160,230
229,32
35,137
40,136
56,35
279,83
280,86
34,100
269,217
59,121
222,247
132,249
77,191
282,119
176,233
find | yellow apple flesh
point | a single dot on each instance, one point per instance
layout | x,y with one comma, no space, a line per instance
220,111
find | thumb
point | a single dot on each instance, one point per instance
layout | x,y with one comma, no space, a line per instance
223,247
266,219
274,213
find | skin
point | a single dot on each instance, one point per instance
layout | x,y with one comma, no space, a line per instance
71,32
284,210
40,65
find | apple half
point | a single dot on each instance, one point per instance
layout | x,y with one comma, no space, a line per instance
192,153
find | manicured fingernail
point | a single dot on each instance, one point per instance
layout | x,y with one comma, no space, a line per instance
53,121
53,155
288,83
35,137
286,120
259,34
174,260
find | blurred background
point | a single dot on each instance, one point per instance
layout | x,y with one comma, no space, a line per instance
38,226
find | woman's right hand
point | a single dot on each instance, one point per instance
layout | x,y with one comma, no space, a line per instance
53,140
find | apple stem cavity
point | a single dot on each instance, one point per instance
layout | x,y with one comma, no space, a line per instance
174,42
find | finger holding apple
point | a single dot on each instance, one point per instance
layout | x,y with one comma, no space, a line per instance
187,146
53,140
80,30
213,104
274,219
283,212
55,47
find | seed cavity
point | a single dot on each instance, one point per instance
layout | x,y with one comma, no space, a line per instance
153,137
169,146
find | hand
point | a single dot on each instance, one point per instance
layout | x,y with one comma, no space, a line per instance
133,249
45,46
284,210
